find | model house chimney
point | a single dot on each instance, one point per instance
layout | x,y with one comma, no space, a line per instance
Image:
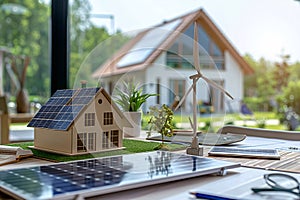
83,83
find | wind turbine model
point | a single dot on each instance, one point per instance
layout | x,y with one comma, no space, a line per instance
194,149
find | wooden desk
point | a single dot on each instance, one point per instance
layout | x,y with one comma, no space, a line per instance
237,182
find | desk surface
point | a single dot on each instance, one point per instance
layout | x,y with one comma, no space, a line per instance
237,182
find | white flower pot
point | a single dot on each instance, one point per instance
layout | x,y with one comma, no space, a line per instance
134,119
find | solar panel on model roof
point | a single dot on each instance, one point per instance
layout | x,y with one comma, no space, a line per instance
62,108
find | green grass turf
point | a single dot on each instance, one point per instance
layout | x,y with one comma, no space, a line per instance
132,146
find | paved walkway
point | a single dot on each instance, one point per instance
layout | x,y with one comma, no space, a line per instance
237,123
21,133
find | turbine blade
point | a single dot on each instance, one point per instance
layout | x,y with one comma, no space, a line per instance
196,49
191,123
212,83
183,98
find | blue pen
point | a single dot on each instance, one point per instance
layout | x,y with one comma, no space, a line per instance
209,196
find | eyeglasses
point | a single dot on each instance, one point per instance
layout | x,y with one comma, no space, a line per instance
280,183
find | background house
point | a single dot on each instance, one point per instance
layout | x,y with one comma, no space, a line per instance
161,60
79,121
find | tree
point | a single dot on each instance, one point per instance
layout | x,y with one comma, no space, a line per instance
294,71
281,73
260,85
26,33
290,96
161,121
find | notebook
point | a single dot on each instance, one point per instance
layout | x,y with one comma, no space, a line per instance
243,152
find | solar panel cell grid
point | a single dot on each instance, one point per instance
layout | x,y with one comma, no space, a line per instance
57,110
64,93
104,175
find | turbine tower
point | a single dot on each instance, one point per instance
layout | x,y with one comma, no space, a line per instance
194,149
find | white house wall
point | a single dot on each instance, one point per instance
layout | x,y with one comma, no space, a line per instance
232,77
235,81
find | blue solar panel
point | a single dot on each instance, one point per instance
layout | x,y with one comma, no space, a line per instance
148,44
105,175
81,100
57,101
64,93
87,92
62,108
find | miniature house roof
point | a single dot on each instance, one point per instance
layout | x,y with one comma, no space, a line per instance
60,111
145,48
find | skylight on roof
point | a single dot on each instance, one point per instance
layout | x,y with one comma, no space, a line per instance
147,44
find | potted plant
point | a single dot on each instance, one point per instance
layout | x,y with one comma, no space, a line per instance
161,121
130,99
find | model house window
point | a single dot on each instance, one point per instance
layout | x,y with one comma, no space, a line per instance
105,140
91,142
115,138
81,142
108,118
86,142
89,119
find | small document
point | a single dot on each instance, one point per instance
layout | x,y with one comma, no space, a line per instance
10,154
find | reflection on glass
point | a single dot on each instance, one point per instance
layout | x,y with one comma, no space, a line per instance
148,43
160,164
24,52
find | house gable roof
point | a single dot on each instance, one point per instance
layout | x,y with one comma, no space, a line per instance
61,110
111,67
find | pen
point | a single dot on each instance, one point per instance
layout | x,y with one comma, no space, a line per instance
209,196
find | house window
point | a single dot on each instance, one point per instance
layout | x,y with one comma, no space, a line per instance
105,140
89,119
108,118
81,142
180,54
115,138
177,90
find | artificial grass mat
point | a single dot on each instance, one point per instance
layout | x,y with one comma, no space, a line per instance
131,146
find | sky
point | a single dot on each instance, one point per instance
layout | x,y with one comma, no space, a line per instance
262,28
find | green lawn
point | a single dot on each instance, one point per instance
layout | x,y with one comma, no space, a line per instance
132,146
215,121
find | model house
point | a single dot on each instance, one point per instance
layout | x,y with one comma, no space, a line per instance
79,121
161,59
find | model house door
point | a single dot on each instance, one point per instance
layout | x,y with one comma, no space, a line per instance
86,142
110,139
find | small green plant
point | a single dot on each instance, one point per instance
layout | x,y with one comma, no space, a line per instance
131,97
261,123
161,121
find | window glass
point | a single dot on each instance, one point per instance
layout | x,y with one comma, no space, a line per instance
24,53
107,118
89,119
105,140
180,55
93,40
